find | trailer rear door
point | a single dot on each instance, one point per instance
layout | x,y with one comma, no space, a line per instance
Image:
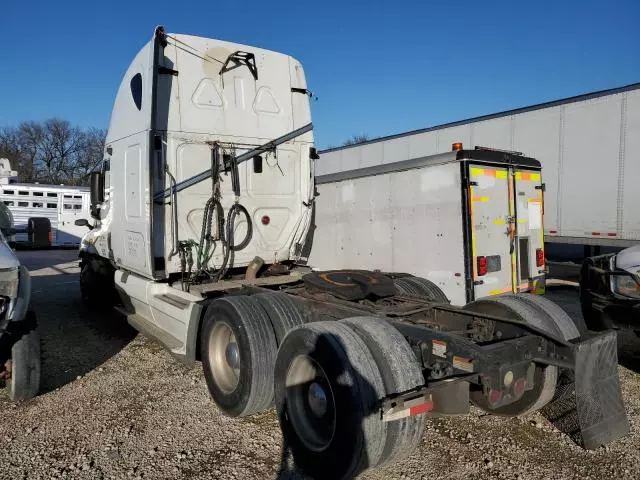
490,212
530,233
507,239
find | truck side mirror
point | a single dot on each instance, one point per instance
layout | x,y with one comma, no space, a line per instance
97,188
83,222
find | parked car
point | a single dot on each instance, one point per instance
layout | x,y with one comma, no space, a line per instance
610,290
20,363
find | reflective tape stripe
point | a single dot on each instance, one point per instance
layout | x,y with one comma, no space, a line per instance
499,221
498,291
528,176
488,172
482,199
409,408
473,233
512,214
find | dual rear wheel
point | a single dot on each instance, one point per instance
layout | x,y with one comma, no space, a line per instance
325,378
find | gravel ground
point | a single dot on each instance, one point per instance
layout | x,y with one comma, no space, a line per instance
115,405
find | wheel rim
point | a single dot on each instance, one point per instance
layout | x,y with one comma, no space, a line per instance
224,357
310,403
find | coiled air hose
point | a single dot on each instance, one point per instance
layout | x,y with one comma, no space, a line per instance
225,232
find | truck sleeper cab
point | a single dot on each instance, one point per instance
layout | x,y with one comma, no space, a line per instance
201,212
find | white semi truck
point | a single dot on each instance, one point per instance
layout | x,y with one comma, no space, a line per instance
201,215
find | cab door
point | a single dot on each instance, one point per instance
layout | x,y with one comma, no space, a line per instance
529,198
492,234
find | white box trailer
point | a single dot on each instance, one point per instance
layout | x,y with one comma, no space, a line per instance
588,146
469,221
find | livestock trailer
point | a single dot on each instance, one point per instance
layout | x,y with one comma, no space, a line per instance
469,220
62,205
588,147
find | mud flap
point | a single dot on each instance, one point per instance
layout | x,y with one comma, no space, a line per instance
588,404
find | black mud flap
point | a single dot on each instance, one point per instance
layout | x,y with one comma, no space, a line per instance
588,403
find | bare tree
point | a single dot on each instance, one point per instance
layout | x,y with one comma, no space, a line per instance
92,154
53,151
356,139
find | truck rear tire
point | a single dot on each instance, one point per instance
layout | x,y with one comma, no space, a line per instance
545,377
420,287
238,351
284,313
400,373
327,385
569,328
26,367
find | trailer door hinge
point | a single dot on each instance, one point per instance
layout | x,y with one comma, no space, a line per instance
478,282
542,186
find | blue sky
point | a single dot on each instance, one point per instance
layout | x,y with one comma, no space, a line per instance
377,67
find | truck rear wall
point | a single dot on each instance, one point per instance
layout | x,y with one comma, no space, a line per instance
407,221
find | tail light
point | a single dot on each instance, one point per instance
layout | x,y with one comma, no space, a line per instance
483,267
50,236
539,257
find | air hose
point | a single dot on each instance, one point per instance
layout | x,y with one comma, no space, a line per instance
225,232
228,242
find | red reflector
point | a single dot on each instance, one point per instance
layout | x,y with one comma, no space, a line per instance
50,236
595,234
553,232
494,396
482,266
612,234
422,408
539,257
266,220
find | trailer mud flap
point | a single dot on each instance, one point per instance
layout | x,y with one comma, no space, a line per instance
588,404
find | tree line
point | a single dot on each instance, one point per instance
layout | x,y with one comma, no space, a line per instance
52,151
